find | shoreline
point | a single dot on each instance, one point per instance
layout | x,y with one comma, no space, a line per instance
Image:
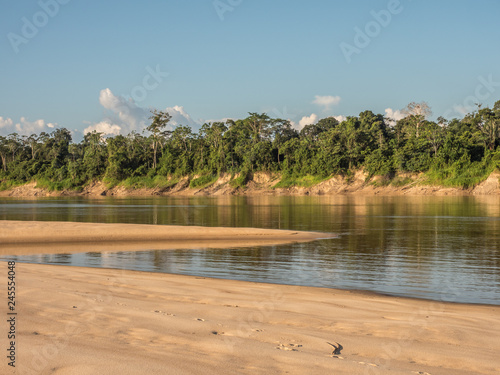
36,237
114,321
264,184
360,292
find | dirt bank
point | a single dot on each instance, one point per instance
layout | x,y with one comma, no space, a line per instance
263,184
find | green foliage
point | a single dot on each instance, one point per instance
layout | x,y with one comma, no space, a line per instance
60,185
6,185
203,181
141,182
463,173
240,181
401,181
460,152
299,181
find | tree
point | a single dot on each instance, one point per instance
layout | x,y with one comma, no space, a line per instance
32,142
13,144
160,121
94,157
213,136
312,131
58,144
418,113
496,108
4,150
489,126
259,125
118,158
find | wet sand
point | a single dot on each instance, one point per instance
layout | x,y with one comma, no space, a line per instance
35,237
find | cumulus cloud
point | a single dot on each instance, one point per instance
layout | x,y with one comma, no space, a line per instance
5,123
124,111
394,115
311,120
124,115
105,127
24,126
326,101
181,117
308,120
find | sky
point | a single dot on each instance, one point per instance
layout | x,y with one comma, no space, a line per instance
103,65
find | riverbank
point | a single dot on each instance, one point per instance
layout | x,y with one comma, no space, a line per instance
36,237
265,184
91,321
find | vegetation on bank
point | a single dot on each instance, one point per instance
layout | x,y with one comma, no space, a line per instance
458,153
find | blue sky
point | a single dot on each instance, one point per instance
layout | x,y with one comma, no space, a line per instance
88,64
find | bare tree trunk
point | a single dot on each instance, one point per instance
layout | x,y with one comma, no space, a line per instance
154,154
4,162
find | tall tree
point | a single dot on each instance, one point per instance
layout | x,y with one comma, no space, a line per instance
259,125
159,123
4,151
418,113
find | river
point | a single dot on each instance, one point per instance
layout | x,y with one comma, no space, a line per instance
440,248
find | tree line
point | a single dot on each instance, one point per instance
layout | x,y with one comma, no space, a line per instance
458,152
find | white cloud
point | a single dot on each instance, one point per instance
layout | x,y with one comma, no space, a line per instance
308,120
224,120
181,117
394,115
5,123
126,112
326,101
25,127
103,127
312,119
125,116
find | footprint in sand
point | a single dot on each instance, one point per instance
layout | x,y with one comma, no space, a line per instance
368,364
163,313
291,347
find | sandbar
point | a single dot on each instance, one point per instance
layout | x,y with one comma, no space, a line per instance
35,237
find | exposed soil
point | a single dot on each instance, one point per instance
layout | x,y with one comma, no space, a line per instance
263,184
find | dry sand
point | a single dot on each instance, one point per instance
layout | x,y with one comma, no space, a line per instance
99,321
35,237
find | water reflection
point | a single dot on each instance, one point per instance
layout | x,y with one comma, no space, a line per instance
328,263
433,247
